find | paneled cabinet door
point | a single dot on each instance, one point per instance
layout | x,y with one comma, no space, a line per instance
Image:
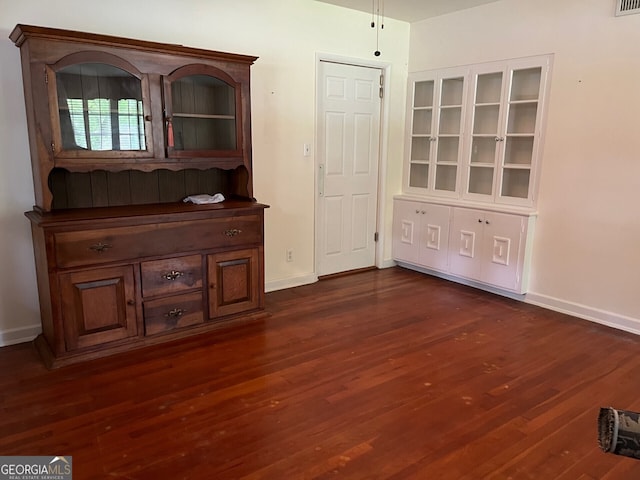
421,233
486,246
99,306
434,237
504,237
406,230
234,282
435,120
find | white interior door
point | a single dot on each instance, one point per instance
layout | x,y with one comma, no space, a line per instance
347,166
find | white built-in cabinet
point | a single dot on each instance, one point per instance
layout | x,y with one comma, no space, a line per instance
487,247
475,132
472,161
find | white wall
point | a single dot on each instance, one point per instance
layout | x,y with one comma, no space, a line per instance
586,257
285,34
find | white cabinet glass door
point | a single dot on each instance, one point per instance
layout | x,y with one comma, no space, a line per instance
448,140
435,119
505,126
520,136
485,133
421,133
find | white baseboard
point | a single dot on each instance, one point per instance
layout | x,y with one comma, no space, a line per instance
310,278
387,264
603,317
290,282
14,336
585,312
462,281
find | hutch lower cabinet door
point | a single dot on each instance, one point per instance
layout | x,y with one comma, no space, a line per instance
234,284
98,306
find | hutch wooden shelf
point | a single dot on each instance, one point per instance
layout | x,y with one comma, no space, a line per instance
120,132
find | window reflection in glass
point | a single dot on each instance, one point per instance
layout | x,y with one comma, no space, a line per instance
100,108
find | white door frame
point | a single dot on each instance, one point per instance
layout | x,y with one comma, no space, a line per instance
385,68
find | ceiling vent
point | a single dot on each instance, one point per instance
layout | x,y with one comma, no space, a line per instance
627,7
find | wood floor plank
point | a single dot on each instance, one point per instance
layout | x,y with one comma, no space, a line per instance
386,374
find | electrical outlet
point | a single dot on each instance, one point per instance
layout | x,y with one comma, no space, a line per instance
289,255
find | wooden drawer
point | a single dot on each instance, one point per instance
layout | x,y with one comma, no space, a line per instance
87,247
173,312
172,275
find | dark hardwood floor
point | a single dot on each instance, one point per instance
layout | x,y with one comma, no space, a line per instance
385,374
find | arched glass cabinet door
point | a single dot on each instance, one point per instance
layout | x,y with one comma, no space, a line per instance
102,108
202,113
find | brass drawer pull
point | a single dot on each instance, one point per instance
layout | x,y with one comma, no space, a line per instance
175,313
100,247
172,275
232,232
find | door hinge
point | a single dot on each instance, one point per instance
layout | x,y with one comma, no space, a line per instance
46,77
53,147
375,237
381,86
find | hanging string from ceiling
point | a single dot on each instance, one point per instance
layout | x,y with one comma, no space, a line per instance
377,21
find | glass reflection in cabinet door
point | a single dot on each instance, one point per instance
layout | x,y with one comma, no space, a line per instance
100,108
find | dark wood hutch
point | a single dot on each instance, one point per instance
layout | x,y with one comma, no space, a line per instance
120,132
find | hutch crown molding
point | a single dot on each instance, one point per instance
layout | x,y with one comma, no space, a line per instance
120,132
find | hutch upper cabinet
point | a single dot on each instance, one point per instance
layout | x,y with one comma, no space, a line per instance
120,132
135,112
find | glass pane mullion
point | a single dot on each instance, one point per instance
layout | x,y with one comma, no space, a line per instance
114,121
87,131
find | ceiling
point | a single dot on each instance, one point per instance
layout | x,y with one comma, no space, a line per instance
409,10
